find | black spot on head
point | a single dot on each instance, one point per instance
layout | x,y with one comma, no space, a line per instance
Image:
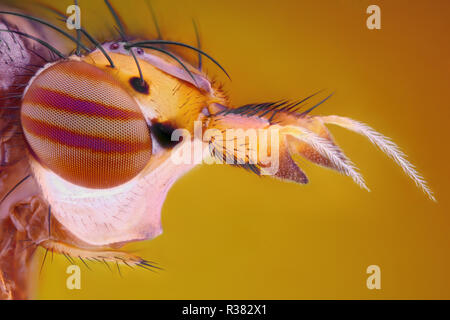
139,85
162,132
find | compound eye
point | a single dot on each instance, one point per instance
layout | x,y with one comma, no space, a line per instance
81,124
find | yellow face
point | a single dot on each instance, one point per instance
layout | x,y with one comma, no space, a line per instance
166,98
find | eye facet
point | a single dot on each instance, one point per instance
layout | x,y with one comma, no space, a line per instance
83,125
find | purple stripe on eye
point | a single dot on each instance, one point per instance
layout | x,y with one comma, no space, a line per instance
59,101
78,140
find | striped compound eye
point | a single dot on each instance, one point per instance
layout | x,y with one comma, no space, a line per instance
83,125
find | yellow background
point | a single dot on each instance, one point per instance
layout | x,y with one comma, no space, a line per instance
231,235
